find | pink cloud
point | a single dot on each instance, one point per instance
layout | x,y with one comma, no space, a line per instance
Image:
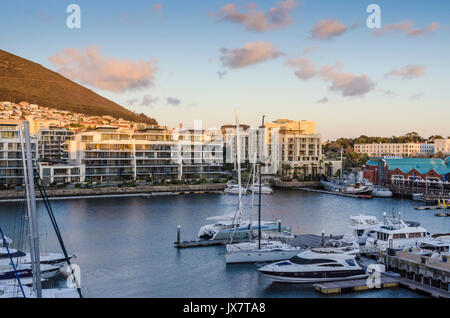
305,68
326,29
408,72
256,19
406,27
250,53
347,84
92,68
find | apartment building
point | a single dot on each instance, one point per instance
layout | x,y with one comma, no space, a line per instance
201,153
442,145
298,146
153,153
11,162
389,149
51,143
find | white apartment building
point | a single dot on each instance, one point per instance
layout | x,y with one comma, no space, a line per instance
427,149
389,149
442,145
298,145
11,162
113,154
51,143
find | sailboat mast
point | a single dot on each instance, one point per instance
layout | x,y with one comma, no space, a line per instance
34,234
238,150
259,198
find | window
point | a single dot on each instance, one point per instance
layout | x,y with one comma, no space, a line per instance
350,262
304,261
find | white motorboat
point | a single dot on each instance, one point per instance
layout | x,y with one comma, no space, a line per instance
234,189
397,234
433,247
265,189
252,252
311,266
361,226
381,192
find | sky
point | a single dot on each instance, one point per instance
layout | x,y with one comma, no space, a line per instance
185,60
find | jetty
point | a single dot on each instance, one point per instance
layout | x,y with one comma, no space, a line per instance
355,285
431,207
303,241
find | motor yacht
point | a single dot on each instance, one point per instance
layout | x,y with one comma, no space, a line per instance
397,234
312,266
361,226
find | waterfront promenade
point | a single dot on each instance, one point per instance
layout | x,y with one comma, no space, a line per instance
118,191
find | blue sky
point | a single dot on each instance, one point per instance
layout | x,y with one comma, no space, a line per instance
183,41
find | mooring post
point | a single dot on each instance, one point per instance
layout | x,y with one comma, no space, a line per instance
279,226
323,239
178,234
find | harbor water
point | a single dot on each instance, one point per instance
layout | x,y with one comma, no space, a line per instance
124,246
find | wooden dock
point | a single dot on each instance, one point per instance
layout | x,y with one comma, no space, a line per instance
354,285
431,207
360,196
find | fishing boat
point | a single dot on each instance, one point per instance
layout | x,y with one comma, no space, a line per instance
314,266
344,187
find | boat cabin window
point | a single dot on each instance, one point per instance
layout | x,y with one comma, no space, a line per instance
359,232
399,236
415,235
304,261
382,236
350,262
331,265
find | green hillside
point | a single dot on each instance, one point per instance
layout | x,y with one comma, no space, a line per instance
23,80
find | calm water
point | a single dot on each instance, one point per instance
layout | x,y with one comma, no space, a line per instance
124,246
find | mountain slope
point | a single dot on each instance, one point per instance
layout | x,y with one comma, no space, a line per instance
23,80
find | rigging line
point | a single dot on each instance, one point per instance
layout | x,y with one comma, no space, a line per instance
46,201
12,262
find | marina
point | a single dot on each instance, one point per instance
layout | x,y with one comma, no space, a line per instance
146,264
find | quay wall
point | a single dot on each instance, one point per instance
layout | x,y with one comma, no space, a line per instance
75,192
299,184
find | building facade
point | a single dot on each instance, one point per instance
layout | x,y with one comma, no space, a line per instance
388,149
11,162
442,146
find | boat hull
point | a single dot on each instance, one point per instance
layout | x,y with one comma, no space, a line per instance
259,256
314,277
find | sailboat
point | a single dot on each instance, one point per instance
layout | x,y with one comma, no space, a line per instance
37,270
260,250
234,225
